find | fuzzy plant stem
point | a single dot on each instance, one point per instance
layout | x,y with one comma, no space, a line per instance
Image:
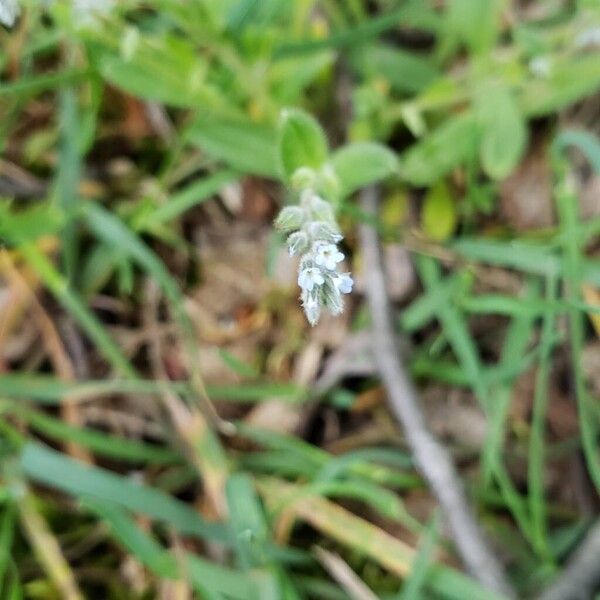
431,457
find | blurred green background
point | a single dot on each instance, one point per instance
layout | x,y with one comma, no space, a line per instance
171,427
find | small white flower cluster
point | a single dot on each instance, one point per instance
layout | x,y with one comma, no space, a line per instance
313,235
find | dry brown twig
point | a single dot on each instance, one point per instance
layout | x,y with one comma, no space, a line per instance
188,422
339,570
431,457
55,349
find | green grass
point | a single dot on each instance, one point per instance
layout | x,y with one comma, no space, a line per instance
142,132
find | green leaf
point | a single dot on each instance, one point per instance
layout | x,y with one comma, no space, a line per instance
405,71
242,144
50,390
439,215
247,521
475,23
101,443
164,69
504,133
587,143
209,579
145,548
222,12
450,145
566,83
413,13
291,76
7,531
30,224
414,585
238,366
362,163
51,468
302,142
183,200
36,84
512,254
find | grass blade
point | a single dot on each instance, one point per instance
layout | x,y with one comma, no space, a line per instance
51,468
208,579
367,539
536,467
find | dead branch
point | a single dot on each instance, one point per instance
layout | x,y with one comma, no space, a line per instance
431,457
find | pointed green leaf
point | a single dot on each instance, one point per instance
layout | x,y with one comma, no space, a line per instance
504,133
302,142
449,146
242,144
362,163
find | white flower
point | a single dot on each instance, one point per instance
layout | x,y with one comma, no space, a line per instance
344,283
309,277
327,255
313,234
9,11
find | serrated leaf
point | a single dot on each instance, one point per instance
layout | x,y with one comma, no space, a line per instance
362,163
302,142
503,130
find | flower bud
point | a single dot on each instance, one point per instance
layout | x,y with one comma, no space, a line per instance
332,297
289,218
297,243
311,306
329,183
321,210
319,230
303,178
